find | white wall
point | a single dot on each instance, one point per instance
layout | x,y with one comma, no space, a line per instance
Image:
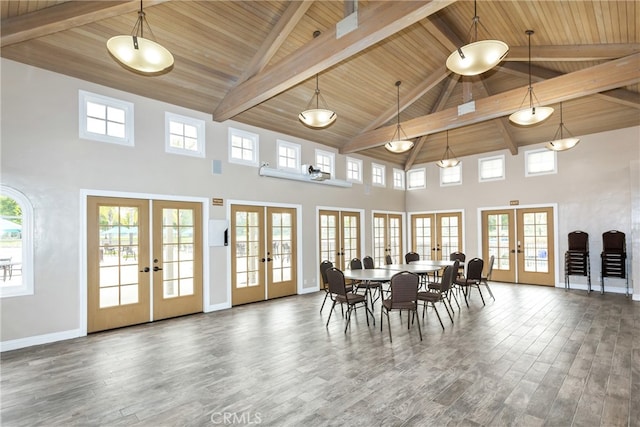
43,157
593,190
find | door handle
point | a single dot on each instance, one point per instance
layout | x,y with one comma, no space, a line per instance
513,251
156,268
145,270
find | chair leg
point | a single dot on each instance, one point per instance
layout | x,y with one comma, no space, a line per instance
349,309
326,295
419,329
480,292
486,283
330,312
453,294
464,292
437,314
444,302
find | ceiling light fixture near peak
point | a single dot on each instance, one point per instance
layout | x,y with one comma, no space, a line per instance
449,159
140,54
563,143
399,142
478,56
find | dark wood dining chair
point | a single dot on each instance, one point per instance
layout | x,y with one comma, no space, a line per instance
338,289
404,296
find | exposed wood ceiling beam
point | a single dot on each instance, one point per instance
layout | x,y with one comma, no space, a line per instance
287,22
64,16
416,93
376,23
444,96
587,52
619,96
602,77
502,122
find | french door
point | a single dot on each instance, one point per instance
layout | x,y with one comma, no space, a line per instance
123,264
522,242
387,238
339,237
436,235
264,253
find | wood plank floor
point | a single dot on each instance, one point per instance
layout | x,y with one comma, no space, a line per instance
535,356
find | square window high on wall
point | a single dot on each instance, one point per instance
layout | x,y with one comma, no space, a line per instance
540,162
416,179
491,168
243,147
184,135
105,119
398,179
378,173
288,156
354,170
325,161
451,175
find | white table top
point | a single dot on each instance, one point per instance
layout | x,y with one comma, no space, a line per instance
434,263
413,268
370,274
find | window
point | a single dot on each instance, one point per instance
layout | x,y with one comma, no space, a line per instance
398,179
378,175
243,147
540,162
16,243
417,178
325,161
184,135
451,176
354,170
105,119
491,168
288,156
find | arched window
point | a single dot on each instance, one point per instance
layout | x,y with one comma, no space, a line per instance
16,243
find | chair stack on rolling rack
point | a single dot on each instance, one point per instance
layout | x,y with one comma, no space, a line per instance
576,259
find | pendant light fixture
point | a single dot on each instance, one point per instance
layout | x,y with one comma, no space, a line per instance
449,159
317,114
562,143
532,114
478,56
140,54
399,142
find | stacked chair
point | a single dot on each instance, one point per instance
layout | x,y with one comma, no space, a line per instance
614,257
576,259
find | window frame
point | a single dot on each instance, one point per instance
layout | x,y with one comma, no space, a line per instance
445,171
27,286
399,173
332,160
297,159
255,149
412,172
350,161
482,161
184,120
378,179
84,97
529,153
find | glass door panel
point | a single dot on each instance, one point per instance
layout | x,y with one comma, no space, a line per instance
281,280
249,255
498,240
535,246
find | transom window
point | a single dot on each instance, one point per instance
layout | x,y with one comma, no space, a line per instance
354,169
288,156
377,175
325,161
105,119
243,147
16,243
540,162
416,179
451,176
184,135
398,179
491,168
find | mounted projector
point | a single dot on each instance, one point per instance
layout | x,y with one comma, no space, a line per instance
316,174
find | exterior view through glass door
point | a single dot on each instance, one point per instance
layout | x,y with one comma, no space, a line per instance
339,237
387,238
522,241
121,266
264,253
436,235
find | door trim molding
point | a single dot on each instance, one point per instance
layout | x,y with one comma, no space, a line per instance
85,193
559,283
463,225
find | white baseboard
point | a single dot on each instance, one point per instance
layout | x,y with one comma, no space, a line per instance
217,307
595,287
40,339
305,291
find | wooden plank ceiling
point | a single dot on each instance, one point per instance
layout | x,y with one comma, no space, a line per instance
255,62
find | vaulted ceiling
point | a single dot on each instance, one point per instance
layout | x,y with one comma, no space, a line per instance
255,62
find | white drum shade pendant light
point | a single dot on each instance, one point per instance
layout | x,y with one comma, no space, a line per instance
399,142
532,114
140,54
478,56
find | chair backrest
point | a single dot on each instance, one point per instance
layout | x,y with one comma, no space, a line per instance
404,287
492,259
411,256
579,241
388,260
457,256
336,281
355,264
367,262
613,241
449,274
474,269
324,266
